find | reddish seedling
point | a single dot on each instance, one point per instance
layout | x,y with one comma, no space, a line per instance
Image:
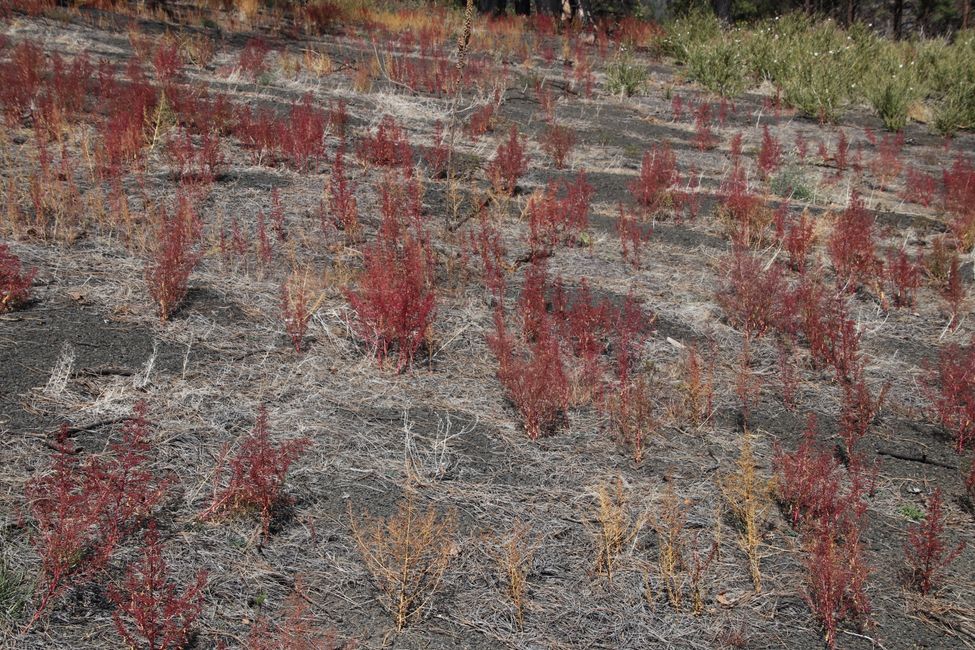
752,294
770,154
557,141
388,147
258,470
174,257
951,390
395,302
150,612
926,553
15,281
658,176
509,164
83,509
852,247
903,275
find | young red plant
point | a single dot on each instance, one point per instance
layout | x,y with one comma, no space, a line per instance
174,257
257,473
395,302
150,613
15,282
926,554
509,164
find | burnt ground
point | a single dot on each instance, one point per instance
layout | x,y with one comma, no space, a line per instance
89,345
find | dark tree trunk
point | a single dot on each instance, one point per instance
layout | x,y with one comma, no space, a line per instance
898,19
723,9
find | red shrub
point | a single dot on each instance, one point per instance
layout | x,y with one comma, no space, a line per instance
808,479
952,290
395,302
481,122
196,164
489,247
508,164
658,176
677,108
857,414
886,165
919,187
149,612
586,326
67,87
535,382
904,276
253,57
174,257
959,200
257,473
557,141
302,137
836,571
770,154
802,147
438,154
20,79
552,219
277,216
951,388
338,117
633,235
799,239
752,295
166,61
15,283
82,511
321,17
296,308
342,205
389,147
852,247
704,138
128,106
926,554
842,153
746,216
296,632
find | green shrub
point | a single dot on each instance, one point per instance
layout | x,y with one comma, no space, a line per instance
686,32
720,64
625,78
892,88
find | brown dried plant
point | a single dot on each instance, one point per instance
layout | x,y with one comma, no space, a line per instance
747,496
464,40
407,555
515,555
616,526
697,387
669,527
683,566
633,415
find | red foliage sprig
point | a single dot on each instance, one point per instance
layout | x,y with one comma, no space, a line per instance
150,614
15,282
257,473
509,164
926,553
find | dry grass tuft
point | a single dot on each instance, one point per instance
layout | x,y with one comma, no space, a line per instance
617,526
407,555
747,496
